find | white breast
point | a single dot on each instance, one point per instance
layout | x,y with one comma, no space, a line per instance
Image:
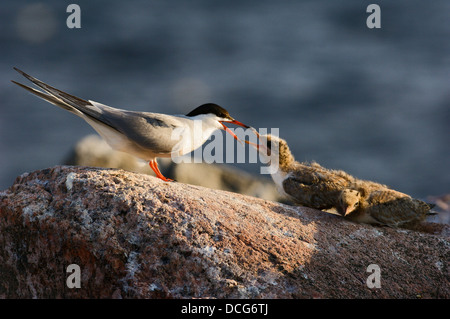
278,179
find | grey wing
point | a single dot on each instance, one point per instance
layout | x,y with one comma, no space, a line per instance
137,126
70,102
147,130
49,98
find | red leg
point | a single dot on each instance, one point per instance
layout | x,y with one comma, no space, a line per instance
154,165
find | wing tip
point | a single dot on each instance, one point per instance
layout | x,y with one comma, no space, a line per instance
29,77
18,70
19,84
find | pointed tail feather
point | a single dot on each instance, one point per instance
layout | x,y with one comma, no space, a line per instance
81,105
431,205
69,102
49,98
430,211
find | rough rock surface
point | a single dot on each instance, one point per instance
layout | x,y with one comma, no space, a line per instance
134,236
92,150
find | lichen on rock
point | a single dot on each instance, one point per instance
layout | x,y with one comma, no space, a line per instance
134,236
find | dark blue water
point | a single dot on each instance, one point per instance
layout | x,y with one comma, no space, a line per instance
375,103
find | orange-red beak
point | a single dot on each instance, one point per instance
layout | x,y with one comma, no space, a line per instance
238,123
253,144
233,122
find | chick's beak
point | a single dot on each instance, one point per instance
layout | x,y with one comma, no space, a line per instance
345,210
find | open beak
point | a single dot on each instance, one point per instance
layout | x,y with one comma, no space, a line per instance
253,144
229,131
238,123
257,146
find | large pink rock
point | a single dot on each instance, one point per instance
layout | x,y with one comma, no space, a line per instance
134,236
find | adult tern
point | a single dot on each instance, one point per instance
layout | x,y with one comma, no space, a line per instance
145,135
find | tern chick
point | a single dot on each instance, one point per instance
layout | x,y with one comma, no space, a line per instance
383,207
306,184
363,201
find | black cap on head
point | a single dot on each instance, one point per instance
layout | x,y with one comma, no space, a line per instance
211,108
